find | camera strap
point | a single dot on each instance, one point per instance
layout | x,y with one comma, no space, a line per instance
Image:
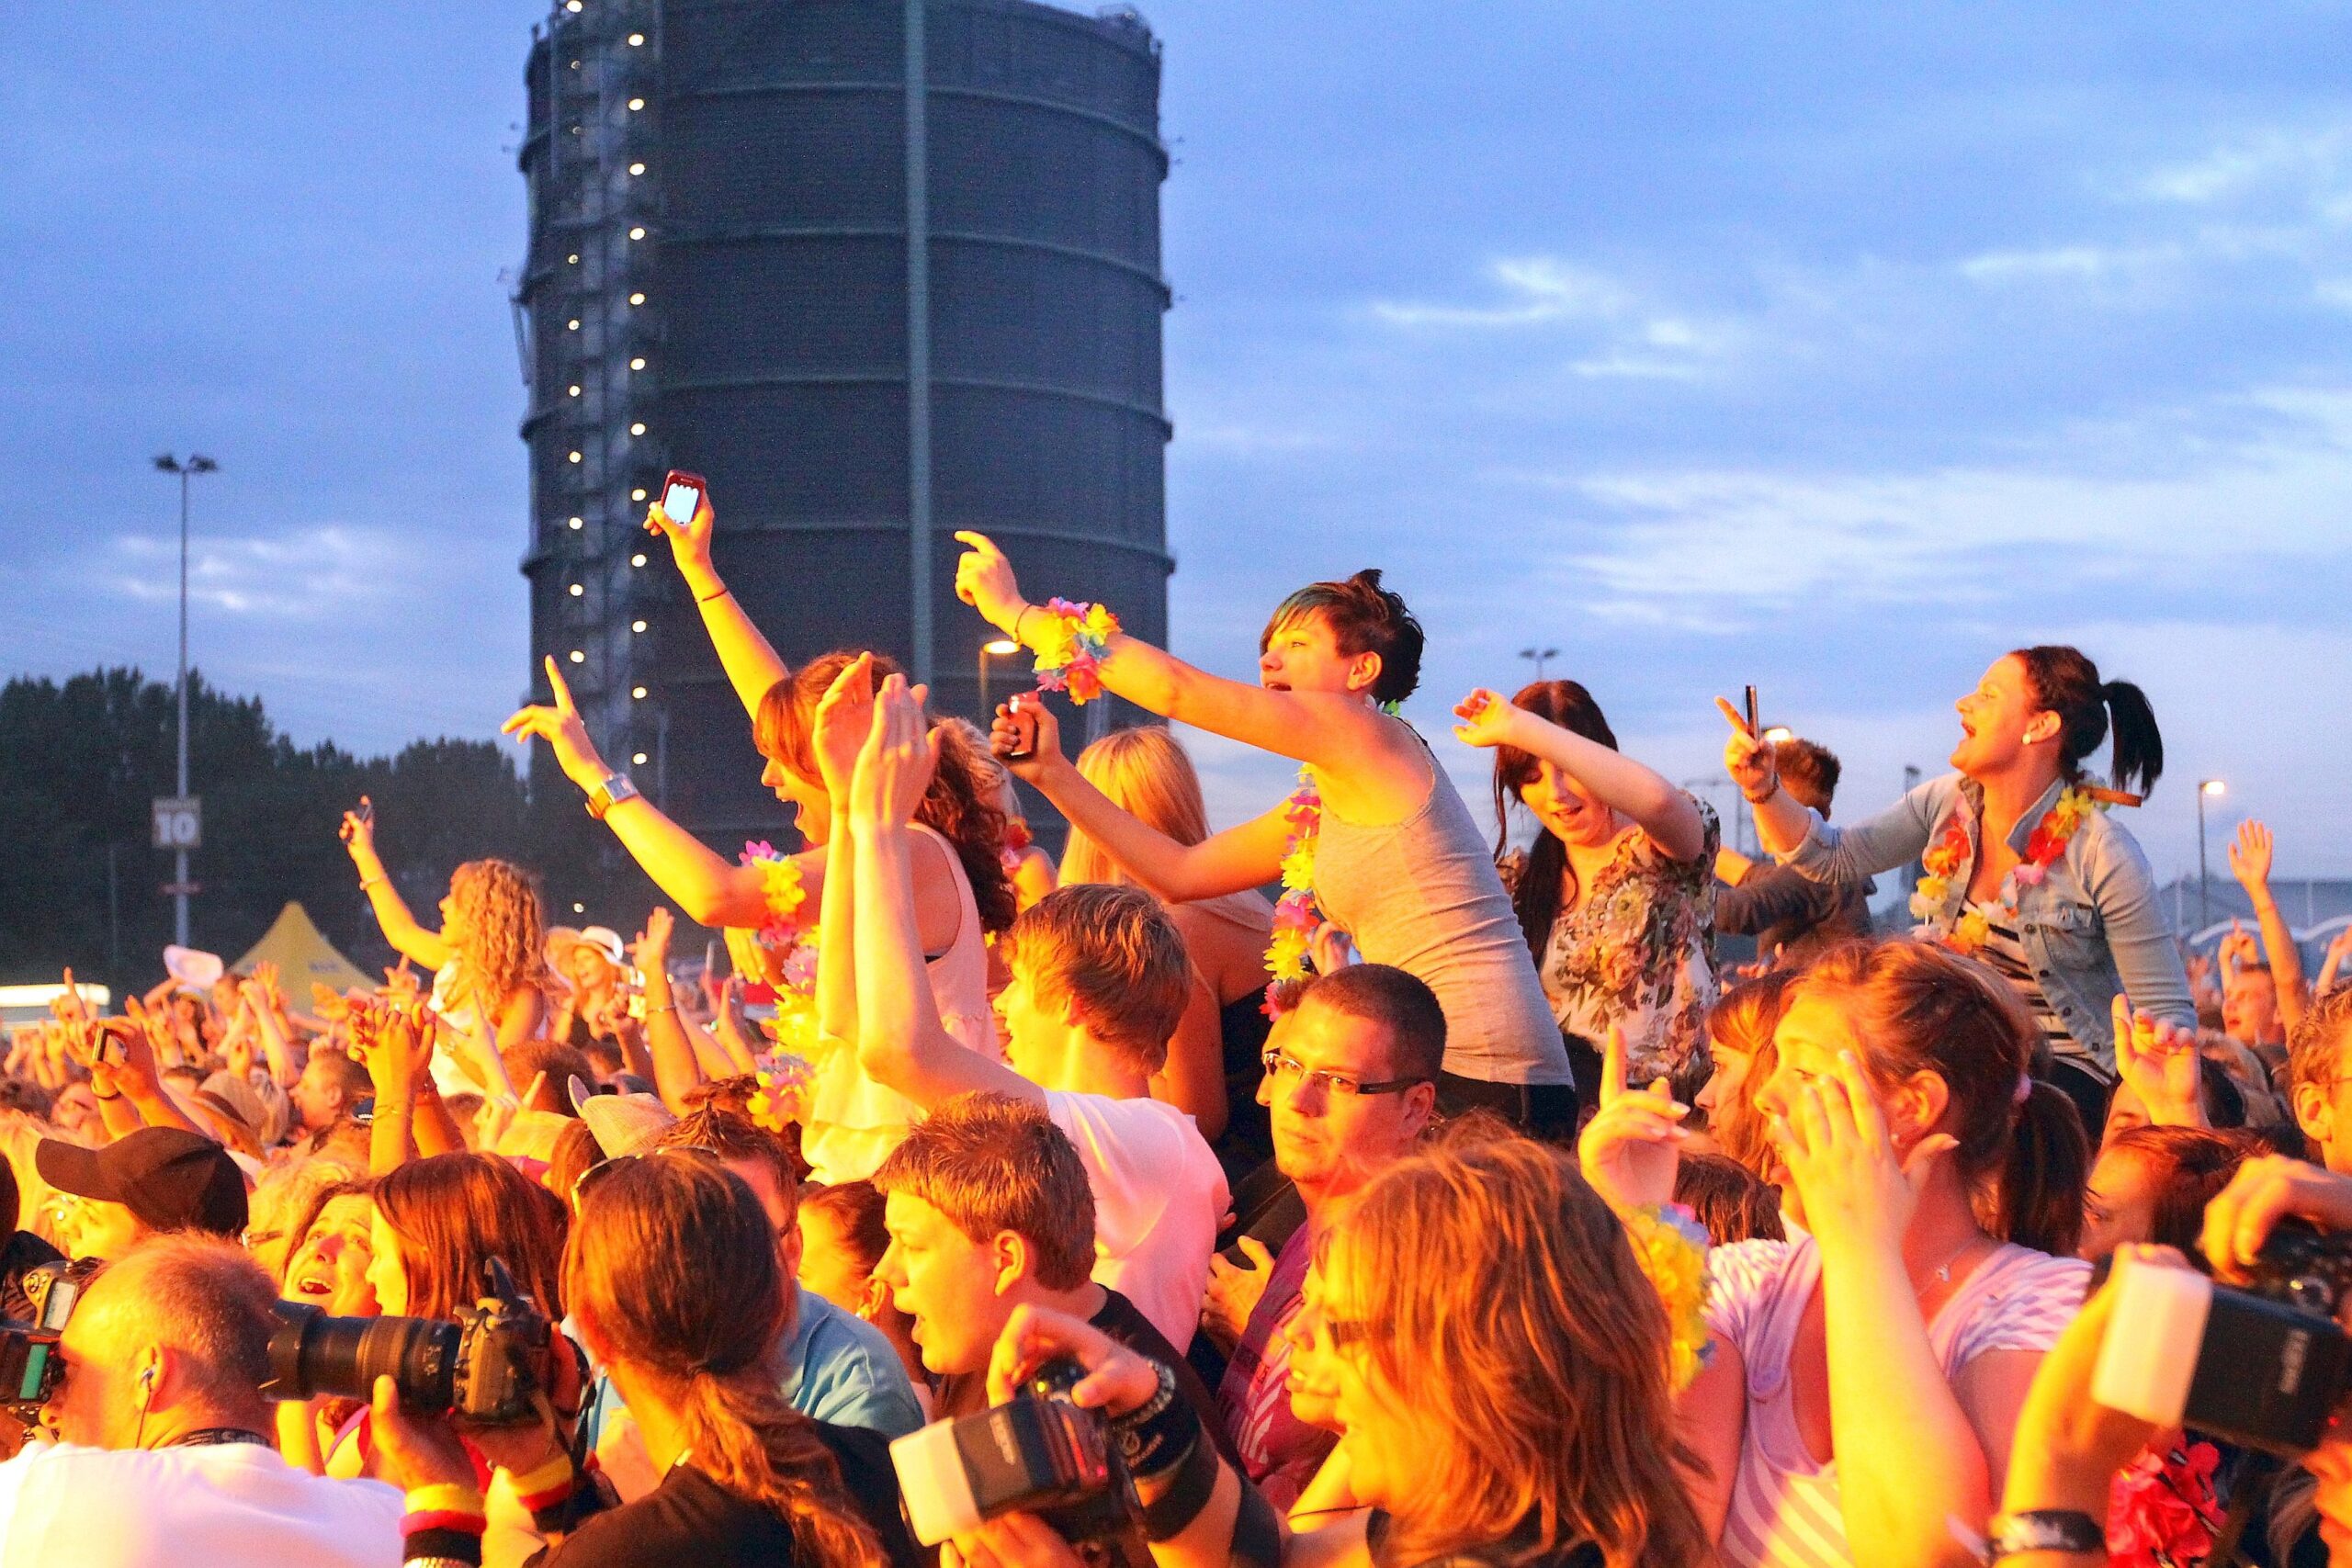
1188,1490
1257,1532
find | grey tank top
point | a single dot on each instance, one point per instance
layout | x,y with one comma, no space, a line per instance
1423,895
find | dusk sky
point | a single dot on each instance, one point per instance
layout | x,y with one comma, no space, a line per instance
1833,349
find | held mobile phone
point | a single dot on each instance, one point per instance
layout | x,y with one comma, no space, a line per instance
1754,726
681,495
1024,728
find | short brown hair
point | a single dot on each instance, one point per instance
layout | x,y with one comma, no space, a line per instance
1811,771
731,1136
1115,953
1399,1002
1364,618
205,1297
527,1059
991,1163
2317,1046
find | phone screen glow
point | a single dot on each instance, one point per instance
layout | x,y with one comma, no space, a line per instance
680,503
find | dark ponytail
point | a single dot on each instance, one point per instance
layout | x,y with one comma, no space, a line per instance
2067,683
1543,882
2041,1195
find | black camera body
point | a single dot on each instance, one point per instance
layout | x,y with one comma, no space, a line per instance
2265,1366
1036,1453
487,1367
30,1367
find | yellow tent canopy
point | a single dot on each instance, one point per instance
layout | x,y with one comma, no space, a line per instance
302,957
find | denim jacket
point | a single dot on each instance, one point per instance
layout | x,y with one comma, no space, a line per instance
2091,928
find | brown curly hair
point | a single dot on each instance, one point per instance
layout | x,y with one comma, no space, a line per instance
960,806
504,947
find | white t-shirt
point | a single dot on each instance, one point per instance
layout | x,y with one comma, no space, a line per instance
226,1503
1158,1194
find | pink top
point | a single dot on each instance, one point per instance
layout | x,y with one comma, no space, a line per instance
1785,1509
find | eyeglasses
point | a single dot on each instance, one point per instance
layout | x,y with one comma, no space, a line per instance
1282,1066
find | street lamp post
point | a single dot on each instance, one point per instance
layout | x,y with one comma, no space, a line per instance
995,648
2204,879
1539,657
197,464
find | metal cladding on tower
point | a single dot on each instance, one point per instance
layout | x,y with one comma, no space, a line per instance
868,315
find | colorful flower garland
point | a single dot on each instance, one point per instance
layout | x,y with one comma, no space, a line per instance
1071,648
1295,914
781,1098
1670,1246
783,951
2162,1509
1948,853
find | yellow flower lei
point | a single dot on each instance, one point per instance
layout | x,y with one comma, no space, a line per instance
1295,915
1072,644
1670,1246
1970,929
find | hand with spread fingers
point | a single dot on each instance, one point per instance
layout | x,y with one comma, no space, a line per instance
560,725
1632,1148
1485,719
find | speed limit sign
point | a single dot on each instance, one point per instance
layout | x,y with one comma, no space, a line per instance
179,822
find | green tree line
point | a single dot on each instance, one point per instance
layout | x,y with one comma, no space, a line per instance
81,762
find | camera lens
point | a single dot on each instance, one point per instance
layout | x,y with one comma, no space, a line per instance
312,1354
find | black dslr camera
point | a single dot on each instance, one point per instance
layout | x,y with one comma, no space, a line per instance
488,1366
2264,1367
1036,1453
30,1367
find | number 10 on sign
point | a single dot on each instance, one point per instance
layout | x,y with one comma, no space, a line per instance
179,822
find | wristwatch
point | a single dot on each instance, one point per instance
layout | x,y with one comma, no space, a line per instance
615,788
2043,1530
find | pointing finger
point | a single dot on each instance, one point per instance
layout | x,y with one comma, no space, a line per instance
1613,1064
1737,719
562,692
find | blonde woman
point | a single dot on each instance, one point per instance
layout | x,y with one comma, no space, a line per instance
488,959
1489,1270
1213,1063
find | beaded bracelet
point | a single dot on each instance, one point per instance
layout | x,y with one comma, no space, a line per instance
1071,648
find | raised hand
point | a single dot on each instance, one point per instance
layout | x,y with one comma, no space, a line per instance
2250,857
984,580
1488,720
894,766
560,728
1631,1149
689,537
844,719
2159,1060
68,1006
2238,950
359,832
650,950
1004,735
402,984
1747,758
1858,1193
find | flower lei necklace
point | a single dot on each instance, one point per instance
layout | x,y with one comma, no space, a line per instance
1670,1248
1945,857
783,951
1295,914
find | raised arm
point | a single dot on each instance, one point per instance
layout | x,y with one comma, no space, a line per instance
2250,855
674,1072
710,891
400,928
1343,736
752,665
1238,858
1668,815
1799,838
901,1043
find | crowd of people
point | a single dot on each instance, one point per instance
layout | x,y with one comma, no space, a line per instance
1402,1190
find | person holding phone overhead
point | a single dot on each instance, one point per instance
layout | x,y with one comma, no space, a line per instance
2025,870
1379,838
808,725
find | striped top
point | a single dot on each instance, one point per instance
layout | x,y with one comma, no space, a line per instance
1785,1509
2003,953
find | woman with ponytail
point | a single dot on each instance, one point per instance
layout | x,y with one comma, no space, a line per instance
2025,870
675,1288
1865,1381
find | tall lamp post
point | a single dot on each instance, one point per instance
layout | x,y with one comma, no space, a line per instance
1539,657
995,648
197,464
2204,881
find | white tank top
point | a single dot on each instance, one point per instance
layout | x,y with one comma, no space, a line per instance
854,1121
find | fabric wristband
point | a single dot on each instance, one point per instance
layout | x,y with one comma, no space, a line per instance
548,1484
1188,1491
443,1523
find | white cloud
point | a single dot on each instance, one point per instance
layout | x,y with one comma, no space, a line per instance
315,574
2093,263
1536,289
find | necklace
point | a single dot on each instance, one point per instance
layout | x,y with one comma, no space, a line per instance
1943,1269
1968,928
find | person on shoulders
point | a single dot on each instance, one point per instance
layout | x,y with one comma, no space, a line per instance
1099,981
1792,916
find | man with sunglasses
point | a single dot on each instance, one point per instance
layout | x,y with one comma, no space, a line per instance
1350,1085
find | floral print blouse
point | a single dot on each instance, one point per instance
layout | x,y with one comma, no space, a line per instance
1639,952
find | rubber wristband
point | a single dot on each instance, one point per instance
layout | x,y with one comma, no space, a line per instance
713,598
1018,619
367,882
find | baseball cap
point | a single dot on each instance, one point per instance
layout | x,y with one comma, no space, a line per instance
623,1123
170,1178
